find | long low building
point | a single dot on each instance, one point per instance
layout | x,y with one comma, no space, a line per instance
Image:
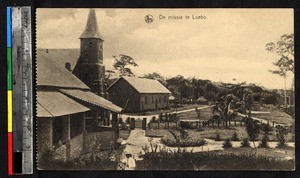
139,94
63,101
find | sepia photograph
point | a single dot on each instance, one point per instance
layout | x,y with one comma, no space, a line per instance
165,89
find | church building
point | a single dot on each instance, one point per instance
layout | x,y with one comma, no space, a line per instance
89,67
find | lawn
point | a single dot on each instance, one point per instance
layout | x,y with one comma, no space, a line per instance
206,114
275,116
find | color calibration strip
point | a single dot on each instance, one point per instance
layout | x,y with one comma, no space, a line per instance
19,91
9,92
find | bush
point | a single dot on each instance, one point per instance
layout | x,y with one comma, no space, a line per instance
282,137
245,143
227,144
218,137
181,139
264,142
235,137
266,128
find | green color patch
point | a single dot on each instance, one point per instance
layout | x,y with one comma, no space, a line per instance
9,69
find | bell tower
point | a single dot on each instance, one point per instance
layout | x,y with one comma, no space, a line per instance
89,67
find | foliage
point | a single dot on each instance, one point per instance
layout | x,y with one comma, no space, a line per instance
264,142
183,160
122,63
181,139
252,128
284,48
235,137
85,161
227,144
245,143
282,137
155,76
266,128
225,108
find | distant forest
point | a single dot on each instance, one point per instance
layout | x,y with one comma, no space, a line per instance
193,89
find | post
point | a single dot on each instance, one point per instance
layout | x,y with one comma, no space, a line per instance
132,124
203,124
218,123
115,126
229,123
273,123
241,123
234,122
144,124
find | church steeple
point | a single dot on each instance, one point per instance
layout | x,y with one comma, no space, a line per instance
91,28
89,67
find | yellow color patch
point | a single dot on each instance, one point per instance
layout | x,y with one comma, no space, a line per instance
9,110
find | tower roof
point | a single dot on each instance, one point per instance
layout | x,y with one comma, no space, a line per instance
91,28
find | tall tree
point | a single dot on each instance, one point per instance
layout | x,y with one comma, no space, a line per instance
284,48
122,63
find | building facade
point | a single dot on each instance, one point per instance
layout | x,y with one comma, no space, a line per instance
139,94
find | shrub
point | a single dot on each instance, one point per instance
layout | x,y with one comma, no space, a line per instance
235,137
282,137
153,119
227,144
266,128
181,140
218,137
264,142
245,143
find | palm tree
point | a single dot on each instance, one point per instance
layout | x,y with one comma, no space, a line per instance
224,108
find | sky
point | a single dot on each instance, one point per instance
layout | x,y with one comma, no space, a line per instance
222,45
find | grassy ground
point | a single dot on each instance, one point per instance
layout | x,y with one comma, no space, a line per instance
211,133
206,114
276,116
229,159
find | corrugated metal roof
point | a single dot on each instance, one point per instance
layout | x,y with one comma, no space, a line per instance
54,104
50,73
91,28
143,85
92,98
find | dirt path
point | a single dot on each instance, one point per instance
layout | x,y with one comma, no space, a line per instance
137,117
135,142
262,120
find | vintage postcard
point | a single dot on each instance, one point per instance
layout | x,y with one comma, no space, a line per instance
165,89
